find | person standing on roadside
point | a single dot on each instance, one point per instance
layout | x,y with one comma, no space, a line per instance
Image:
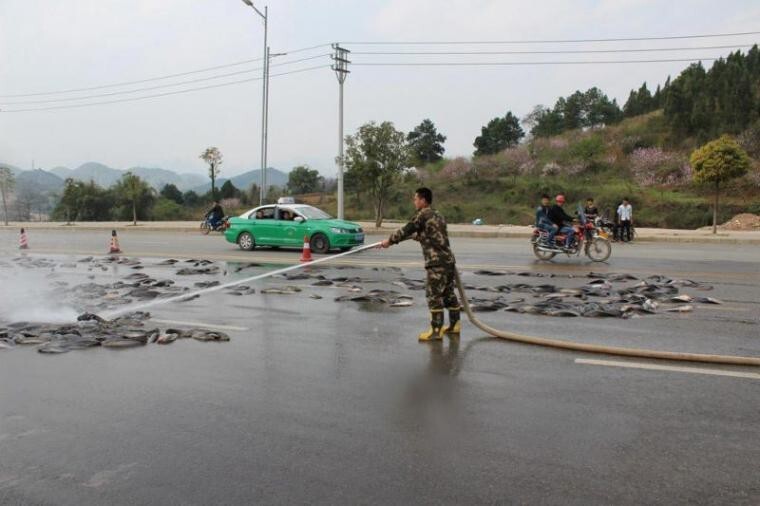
428,227
590,210
625,215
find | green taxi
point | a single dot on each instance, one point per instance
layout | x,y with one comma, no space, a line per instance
279,225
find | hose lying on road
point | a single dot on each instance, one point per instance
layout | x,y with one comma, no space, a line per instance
597,348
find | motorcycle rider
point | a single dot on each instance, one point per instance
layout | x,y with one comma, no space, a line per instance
215,215
543,222
559,217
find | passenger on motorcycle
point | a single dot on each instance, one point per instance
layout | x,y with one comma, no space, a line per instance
559,217
543,222
215,215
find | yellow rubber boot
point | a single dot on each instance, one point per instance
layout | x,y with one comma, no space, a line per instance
435,332
455,325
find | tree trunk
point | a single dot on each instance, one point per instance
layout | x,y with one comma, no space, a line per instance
5,209
379,212
213,185
134,212
715,209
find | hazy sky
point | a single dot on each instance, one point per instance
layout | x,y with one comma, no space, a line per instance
48,46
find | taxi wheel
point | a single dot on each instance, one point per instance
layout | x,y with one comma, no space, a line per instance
246,241
319,243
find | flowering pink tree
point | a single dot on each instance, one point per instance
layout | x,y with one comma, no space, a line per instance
456,168
653,167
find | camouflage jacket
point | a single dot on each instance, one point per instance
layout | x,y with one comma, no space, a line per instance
429,228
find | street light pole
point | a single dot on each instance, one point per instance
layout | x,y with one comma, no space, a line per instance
341,71
264,85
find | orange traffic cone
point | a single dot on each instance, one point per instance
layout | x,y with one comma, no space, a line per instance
23,242
114,243
306,254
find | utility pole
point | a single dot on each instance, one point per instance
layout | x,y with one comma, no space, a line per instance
265,143
340,66
264,83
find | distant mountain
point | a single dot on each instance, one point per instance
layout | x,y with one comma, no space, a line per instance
105,176
39,180
246,179
61,171
158,178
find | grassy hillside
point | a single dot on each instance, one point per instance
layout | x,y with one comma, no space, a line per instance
635,158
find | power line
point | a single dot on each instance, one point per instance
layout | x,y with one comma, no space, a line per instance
554,41
569,51
486,64
157,78
161,86
166,94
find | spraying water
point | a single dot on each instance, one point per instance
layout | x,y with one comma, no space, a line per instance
26,295
111,314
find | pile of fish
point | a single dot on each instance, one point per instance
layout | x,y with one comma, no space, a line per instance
596,298
90,331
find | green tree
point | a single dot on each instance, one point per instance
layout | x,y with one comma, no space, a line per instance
717,162
84,202
302,180
425,143
253,194
213,158
229,191
375,159
171,192
544,122
7,183
499,134
167,210
190,198
135,192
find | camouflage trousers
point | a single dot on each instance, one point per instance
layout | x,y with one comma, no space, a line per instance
440,289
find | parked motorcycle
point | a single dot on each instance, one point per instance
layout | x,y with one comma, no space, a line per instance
594,242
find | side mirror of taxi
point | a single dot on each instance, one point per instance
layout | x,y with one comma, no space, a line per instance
299,219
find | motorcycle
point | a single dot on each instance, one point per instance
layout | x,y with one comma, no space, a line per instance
593,241
207,225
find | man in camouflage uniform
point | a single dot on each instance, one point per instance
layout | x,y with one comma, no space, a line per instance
429,228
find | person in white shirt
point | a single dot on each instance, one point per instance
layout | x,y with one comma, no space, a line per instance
625,217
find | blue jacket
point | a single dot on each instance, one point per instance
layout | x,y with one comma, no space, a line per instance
542,216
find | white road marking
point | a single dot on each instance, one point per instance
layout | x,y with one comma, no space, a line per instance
656,367
200,324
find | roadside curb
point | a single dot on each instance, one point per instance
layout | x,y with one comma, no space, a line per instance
516,232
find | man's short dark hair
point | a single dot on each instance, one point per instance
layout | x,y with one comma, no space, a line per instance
545,196
425,193
590,199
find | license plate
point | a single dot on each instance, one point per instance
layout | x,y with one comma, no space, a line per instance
359,237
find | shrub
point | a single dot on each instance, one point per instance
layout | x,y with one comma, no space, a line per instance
167,210
588,149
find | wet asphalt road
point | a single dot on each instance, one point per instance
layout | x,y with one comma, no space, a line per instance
315,401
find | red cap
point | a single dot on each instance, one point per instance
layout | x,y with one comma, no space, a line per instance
560,199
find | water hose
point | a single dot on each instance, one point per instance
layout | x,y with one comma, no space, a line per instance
597,348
